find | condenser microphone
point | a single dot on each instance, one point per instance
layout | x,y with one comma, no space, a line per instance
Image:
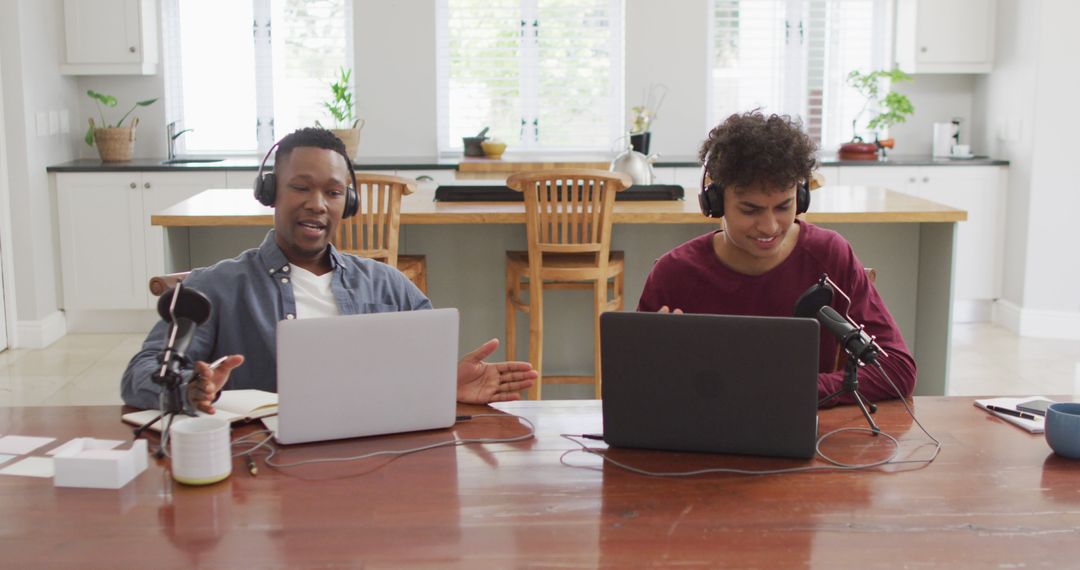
853,339
819,295
185,308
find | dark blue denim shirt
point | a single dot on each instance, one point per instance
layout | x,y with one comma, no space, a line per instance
249,295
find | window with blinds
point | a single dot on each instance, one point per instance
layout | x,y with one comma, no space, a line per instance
793,57
542,74
243,74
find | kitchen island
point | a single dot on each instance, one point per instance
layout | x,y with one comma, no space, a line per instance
910,241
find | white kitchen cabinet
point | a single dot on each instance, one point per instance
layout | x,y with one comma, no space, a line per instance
241,179
108,249
110,37
831,175
159,191
945,36
102,247
980,191
430,178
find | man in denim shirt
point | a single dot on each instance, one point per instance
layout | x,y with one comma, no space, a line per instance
297,272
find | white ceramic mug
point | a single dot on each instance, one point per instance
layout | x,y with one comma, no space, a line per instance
200,450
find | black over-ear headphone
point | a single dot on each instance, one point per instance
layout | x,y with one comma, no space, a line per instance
266,186
711,198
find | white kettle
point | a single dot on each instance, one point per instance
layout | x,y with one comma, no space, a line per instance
635,164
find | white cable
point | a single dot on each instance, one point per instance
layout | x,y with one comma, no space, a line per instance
391,452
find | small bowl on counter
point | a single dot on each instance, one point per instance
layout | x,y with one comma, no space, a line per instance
493,148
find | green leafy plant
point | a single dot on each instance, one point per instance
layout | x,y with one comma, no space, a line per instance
891,109
341,106
109,101
644,114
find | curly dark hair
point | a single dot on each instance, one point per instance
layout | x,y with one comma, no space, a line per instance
311,136
751,148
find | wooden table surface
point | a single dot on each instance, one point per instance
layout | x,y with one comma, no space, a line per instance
996,497
831,204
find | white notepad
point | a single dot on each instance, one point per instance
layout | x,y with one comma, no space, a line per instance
1032,426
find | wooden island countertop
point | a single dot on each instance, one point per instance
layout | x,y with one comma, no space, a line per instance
836,204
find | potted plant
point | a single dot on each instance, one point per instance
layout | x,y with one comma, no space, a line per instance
346,127
114,142
643,116
892,108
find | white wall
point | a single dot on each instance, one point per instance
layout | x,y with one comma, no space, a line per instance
1027,107
395,77
150,134
666,43
31,44
1003,98
7,272
937,98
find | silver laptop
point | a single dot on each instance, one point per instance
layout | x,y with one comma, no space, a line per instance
362,375
713,383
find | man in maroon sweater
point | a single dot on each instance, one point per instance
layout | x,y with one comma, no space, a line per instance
763,258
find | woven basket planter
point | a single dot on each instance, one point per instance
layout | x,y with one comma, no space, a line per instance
351,138
115,144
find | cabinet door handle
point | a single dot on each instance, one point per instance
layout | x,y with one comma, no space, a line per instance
911,180
132,49
132,185
923,49
146,185
926,179
424,178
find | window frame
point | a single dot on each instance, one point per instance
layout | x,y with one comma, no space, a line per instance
529,83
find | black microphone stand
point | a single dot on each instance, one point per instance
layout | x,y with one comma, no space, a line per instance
851,386
171,380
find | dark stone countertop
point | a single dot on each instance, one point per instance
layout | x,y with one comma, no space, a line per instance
435,163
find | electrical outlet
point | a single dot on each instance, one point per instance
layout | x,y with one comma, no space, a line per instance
65,121
54,122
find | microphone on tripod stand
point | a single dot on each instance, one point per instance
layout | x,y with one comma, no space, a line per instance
184,309
852,337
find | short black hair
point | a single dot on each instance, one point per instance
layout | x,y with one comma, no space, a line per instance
311,136
752,148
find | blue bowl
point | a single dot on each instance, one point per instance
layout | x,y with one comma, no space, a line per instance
1063,429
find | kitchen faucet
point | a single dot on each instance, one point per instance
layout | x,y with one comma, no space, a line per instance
172,135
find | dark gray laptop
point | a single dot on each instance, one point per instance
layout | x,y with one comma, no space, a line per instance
712,383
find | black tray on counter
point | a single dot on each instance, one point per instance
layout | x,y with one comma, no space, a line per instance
505,194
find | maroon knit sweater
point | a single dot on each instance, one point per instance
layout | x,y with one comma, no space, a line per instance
691,277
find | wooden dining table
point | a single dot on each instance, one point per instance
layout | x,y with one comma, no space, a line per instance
996,496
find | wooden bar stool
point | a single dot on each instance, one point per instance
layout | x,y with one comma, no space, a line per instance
373,231
568,226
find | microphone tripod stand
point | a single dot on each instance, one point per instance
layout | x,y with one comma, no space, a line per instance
851,386
171,398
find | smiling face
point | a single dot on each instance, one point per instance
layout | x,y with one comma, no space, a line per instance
759,228
311,186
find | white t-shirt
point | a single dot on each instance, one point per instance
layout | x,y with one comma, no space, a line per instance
313,295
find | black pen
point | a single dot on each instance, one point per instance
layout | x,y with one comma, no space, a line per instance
1009,412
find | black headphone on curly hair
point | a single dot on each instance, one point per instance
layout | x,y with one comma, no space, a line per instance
266,186
711,198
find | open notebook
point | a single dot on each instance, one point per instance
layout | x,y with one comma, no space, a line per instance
1036,425
233,406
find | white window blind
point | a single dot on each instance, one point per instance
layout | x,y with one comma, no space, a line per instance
542,74
248,72
793,56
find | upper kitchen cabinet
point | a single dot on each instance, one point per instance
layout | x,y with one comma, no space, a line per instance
110,37
945,36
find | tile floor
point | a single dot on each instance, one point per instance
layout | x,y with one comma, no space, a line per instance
85,369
